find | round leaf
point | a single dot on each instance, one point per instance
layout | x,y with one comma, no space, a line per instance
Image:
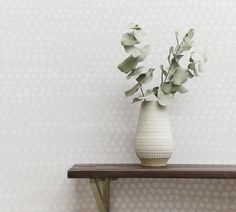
193,68
182,89
186,45
144,52
189,74
137,99
145,77
136,71
128,39
128,64
132,26
164,99
133,50
132,90
189,35
180,76
169,87
139,34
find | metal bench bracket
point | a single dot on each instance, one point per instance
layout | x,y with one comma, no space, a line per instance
101,193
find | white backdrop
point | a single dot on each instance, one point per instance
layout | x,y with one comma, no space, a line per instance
62,103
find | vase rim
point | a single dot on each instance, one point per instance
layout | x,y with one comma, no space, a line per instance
155,102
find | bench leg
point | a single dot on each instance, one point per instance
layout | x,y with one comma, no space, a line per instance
102,197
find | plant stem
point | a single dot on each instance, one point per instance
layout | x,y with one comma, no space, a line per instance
177,40
179,45
142,93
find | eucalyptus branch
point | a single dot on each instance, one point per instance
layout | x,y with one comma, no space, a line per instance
179,45
130,65
172,78
177,50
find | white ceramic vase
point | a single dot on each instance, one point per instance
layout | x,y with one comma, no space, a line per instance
153,140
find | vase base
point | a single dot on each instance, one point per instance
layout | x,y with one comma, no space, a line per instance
155,162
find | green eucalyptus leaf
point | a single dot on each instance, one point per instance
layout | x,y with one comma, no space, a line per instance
171,50
186,45
128,39
170,53
145,77
182,89
164,99
171,73
189,34
144,52
196,74
180,76
132,90
177,50
149,94
155,90
192,66
189,74
133,50
169,58
136,31
169,87
137,99
136,71
132,26
174,65
178,57
128,64
191,59
166,87
164,72
139,34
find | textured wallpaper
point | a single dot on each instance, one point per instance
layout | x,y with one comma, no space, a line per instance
62,102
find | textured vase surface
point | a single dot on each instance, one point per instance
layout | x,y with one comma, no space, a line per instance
153,140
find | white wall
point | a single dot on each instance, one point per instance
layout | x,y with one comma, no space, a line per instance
62,102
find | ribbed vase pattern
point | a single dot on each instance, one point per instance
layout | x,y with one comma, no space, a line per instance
153,135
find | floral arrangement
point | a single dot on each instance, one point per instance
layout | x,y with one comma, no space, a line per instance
172,76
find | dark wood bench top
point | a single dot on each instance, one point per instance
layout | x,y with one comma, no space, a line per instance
138,171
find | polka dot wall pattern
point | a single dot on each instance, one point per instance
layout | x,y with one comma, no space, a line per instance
62,103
